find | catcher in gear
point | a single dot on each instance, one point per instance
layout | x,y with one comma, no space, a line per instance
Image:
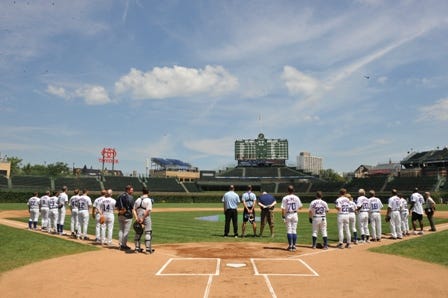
142,224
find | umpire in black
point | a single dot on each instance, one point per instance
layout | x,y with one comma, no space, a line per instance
125,204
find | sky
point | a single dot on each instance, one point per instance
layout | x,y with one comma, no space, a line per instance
358,82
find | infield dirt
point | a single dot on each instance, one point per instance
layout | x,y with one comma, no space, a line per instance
202,270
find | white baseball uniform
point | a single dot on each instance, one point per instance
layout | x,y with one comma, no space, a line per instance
375,217
45,212
395,218
33,207
84,203
352,210
319,209
107,207
343,205
363,217
290,205
62,201
53,214
74,222
404,213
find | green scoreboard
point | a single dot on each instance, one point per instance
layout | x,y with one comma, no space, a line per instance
261,151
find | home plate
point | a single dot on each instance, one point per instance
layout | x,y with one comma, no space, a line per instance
236,265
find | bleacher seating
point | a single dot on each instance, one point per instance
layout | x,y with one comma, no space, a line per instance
3,182
407,184
268,187
234,172
89,183
119,183
191,186
34,183
375,183
301,187
164,185
261,172
323,186
289,172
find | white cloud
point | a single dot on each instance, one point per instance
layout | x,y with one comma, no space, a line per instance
297,82
93,95
58,91
166,82
436,111
219,147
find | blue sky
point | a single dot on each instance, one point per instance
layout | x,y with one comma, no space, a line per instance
354,82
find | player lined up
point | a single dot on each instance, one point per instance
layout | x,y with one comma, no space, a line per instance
52,211
364,210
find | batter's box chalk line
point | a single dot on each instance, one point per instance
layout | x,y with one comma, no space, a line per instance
194,262
290,262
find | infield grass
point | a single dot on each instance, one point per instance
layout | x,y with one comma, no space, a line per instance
430,248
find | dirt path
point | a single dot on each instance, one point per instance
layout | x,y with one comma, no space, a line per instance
226,270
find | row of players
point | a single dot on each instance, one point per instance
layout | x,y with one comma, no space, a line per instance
368,211
52,209
363,209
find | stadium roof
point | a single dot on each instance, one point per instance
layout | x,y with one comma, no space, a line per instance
426,157
169,163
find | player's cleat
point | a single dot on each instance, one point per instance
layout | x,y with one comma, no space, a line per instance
325,247
124,247
150,251
293,248
340,246
236,236
420,233
347,245
313,246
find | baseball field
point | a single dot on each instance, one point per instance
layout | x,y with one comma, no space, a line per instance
208,265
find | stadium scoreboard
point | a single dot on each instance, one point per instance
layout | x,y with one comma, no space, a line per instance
274,151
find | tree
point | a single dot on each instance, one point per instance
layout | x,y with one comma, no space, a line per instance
58,169
331,176
15,164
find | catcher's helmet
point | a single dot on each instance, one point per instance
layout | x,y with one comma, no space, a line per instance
138,228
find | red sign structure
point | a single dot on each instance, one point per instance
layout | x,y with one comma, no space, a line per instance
108,156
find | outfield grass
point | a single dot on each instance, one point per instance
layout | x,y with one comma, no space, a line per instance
430,248
21,247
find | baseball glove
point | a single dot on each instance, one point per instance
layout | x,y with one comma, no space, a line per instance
102,219
387,218
138,228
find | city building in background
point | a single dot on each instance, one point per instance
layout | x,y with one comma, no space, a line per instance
308,163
